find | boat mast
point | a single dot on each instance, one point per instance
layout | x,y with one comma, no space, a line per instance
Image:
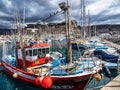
15,33
21,40
69,47
20,30
83,19
65,7
89,21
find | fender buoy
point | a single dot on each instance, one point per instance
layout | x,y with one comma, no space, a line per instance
15,75
102,75
46,59
37,81
45,81
97,77
106,71
0,64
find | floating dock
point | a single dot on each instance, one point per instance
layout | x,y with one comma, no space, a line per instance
113,85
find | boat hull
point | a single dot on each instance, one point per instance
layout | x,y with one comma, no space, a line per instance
73,82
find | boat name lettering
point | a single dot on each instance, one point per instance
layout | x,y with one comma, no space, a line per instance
81,79
62,87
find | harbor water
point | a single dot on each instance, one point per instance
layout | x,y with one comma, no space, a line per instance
7,83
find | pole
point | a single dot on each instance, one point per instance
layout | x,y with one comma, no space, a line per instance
69,46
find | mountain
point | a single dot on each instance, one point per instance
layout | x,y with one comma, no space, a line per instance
115,28
5,31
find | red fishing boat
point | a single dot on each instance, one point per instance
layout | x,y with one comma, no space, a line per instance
37,66
43,71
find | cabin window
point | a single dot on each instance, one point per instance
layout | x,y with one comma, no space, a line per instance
30,52
90,41
39,51
43,51
34,52
47,50
26,53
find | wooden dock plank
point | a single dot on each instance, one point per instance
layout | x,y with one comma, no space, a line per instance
113,85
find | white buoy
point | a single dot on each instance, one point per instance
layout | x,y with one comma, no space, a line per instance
15,75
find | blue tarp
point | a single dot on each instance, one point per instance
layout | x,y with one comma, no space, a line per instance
106,57
11,60
59,61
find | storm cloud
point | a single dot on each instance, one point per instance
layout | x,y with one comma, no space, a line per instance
100,11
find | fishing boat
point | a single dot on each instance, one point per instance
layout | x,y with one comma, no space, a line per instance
36,65
96,43
107,54
106,57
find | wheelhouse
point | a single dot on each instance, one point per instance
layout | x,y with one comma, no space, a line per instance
34,55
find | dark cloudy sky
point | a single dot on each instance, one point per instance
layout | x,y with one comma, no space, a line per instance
101,11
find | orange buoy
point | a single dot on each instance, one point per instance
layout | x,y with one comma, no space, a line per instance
45,81
15,75
97,77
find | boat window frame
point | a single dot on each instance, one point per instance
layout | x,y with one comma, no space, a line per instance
26,53
30,53
41,54
39,51
34,51
48,50
43,51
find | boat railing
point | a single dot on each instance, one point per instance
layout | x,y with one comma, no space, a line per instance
94,61
83,65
